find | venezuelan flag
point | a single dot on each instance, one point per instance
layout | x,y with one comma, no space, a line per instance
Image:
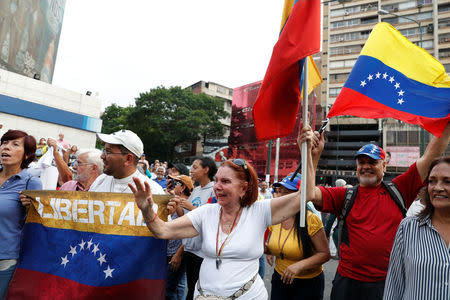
277,103
394,78
81,245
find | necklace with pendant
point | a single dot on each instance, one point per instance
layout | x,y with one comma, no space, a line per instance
279,236
219,250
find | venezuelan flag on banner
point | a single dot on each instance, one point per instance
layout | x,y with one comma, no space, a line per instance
81,245
393,78
276,106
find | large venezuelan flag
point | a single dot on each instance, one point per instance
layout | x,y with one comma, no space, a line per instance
276,106
80,245
393,78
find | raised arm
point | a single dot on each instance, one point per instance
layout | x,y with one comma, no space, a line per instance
177,229
288,205
63,169
434,149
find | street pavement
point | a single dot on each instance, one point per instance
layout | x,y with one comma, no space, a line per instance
329,270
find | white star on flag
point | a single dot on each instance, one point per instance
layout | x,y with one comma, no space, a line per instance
73,250
89,244
101,259
391,79
370,77
378,75
108,272
82,244
385,75
363,83
401,93
397,85
64,261
95,249
400,101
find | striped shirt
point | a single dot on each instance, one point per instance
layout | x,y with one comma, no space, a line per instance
419,267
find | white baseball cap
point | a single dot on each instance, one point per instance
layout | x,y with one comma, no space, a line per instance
126,138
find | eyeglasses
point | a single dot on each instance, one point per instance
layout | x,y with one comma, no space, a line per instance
77,163
178,182
241,163
107,152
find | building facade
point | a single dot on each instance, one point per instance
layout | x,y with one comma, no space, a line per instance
226,94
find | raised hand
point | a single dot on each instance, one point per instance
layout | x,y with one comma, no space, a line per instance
142,195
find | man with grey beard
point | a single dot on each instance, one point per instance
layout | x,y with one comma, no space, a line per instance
371,222
86,168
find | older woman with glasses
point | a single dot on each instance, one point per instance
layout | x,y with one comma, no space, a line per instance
232,229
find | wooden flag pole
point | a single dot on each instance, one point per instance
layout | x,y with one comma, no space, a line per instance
304,146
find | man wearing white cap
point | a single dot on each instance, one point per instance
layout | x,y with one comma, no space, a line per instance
120,156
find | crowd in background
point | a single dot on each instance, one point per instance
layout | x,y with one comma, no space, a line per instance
297,253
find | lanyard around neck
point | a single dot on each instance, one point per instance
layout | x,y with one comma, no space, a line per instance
219,250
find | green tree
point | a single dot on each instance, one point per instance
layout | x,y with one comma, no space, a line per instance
115,118
166,117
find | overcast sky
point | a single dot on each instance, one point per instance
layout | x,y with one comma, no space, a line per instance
122,48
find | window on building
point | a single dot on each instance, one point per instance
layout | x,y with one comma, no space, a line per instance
413,137
349,63
443,23
444,7
402,138
390,137
336,64
443,53
447,68
444,38
334,91
369,20
407,5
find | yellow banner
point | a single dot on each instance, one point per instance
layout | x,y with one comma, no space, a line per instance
106,213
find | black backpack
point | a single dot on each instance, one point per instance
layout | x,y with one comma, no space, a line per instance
350,196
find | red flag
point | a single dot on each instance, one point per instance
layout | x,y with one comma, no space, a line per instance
277,103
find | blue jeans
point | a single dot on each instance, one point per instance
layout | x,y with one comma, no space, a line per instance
5,278
262,266
176,281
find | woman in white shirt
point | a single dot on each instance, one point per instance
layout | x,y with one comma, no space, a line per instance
232,229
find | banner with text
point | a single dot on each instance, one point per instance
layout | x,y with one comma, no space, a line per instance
85,245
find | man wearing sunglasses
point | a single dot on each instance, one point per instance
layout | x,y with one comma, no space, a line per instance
120,157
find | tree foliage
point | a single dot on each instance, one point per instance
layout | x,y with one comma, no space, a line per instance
166,117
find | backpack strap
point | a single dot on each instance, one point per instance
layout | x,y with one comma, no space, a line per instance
349,200
395,195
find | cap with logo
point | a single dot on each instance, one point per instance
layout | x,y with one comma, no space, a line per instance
126,138
290,185
371,150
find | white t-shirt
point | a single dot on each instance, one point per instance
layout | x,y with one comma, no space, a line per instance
109,184
415,208
241,253
199,196
266,195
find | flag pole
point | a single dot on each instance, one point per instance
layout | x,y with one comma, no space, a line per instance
304,146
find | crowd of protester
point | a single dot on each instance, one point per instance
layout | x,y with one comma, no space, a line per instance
222,220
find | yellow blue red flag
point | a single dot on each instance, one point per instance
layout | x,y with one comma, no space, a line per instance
394,78
81,245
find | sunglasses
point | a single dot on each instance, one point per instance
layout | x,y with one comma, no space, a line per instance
241,163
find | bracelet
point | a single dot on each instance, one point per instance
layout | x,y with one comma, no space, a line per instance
153,218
